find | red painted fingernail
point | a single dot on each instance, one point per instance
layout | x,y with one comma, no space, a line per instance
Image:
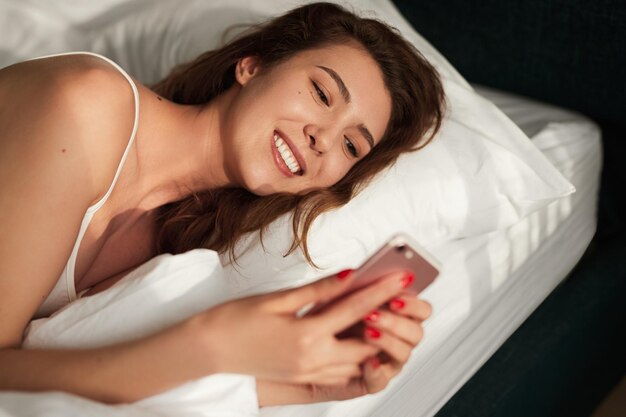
344,274
372,333
375,362
407,280
373,316
396,304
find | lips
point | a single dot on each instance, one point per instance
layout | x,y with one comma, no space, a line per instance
286,155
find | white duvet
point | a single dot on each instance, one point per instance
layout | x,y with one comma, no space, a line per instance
157,294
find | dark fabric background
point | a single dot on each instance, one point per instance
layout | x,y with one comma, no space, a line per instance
572,53
566,52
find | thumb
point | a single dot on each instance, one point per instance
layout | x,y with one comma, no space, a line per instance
316,292
375,375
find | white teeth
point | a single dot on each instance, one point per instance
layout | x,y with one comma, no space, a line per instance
286,154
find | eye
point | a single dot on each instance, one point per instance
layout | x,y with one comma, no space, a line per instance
320,93
351,148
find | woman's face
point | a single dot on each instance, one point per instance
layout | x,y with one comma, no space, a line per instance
303,124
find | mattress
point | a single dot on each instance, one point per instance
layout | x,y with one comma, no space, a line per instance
502,276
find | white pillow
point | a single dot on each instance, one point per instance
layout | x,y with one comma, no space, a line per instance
480,174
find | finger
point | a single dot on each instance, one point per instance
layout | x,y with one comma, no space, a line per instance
396,348
335,353
405,328
338,372
357,305
411,306
335,391
353,351
333,382
319,291
376,375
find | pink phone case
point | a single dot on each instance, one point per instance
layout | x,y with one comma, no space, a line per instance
400,253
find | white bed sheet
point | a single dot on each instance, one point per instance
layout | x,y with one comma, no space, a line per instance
501,277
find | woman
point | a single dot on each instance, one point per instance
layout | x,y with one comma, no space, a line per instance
291,117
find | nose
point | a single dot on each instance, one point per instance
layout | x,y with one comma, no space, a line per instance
319,141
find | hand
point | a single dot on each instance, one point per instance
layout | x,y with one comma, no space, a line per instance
262,336
399,325
396,330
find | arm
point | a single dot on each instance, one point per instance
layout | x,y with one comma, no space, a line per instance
114,374
56,159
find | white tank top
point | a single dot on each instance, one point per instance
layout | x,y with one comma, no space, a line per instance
64,290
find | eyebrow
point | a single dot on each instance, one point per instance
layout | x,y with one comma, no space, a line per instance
347,98
340,84
367,134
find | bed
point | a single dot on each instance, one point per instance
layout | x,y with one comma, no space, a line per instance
495,276
509,272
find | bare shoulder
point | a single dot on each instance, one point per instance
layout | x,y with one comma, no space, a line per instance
84,104
64,124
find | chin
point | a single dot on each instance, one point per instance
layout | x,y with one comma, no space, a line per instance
259,186
263,191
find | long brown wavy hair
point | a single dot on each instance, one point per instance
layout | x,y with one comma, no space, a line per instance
218,218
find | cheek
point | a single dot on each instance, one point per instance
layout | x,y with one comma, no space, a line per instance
332,173
285,98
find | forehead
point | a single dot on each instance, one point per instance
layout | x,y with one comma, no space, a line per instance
370,101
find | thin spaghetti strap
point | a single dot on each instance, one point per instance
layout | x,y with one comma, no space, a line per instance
99,204
95,207
67,278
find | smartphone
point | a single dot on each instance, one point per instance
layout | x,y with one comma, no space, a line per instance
400,253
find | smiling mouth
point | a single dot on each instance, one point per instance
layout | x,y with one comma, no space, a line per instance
287,155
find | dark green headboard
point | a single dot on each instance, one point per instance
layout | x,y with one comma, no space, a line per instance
567,52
